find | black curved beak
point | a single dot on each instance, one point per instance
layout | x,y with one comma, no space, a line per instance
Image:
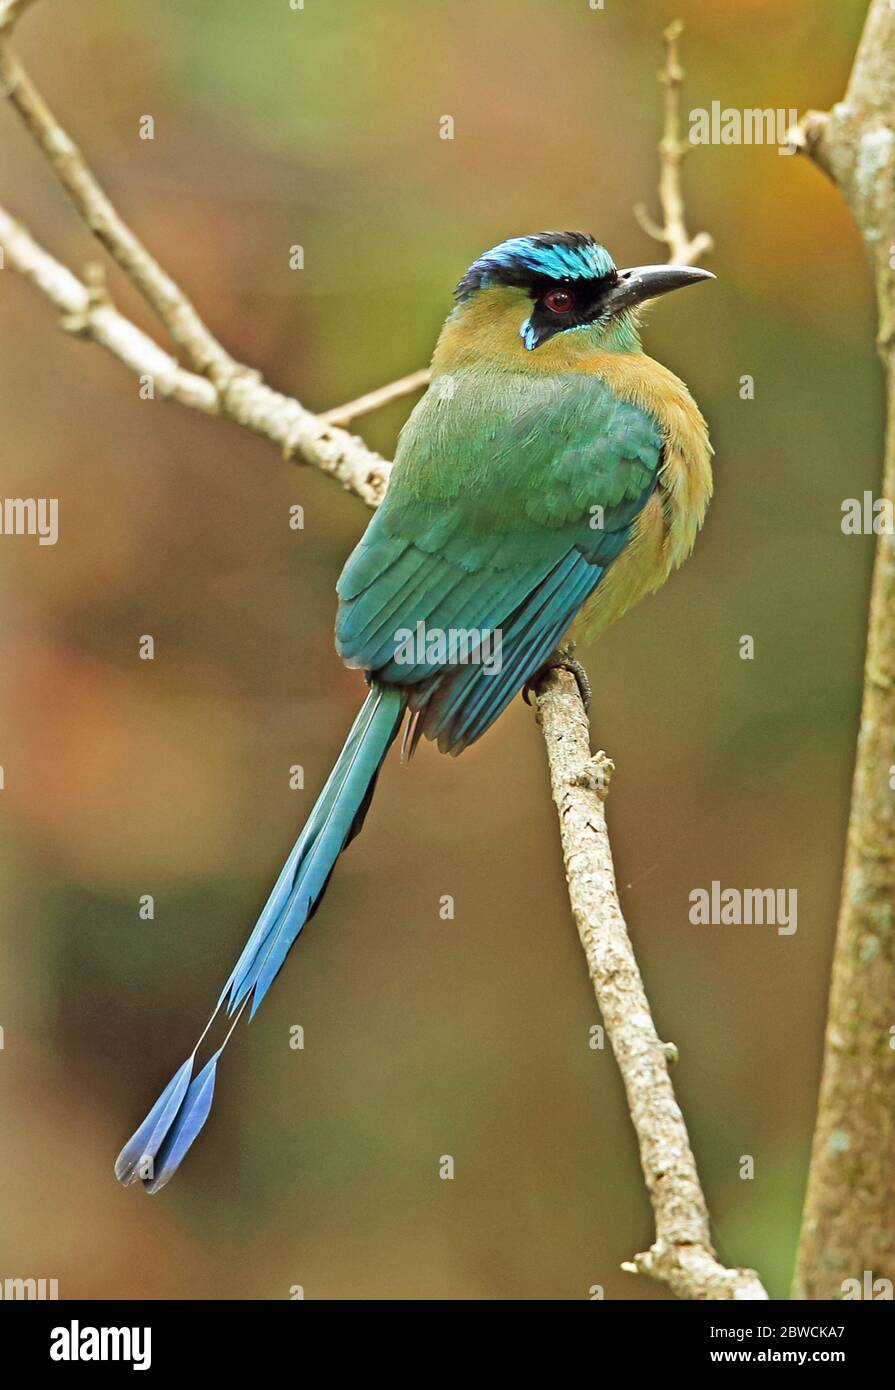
649,281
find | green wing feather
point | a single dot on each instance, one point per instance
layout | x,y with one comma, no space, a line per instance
511,495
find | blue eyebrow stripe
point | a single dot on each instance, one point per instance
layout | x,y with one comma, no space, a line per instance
555,255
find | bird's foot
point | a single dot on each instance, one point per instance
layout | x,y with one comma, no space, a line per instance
562,660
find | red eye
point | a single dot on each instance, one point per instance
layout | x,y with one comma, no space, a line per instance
559,301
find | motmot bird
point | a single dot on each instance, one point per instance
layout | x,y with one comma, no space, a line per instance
550,469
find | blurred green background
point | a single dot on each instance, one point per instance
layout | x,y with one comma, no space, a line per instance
123,777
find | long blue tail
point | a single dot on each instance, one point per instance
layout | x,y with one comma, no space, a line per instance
154,1153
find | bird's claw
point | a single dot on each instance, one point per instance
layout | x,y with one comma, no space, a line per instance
561,660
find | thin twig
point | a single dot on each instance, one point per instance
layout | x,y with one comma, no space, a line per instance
375,400
682,1255
682,248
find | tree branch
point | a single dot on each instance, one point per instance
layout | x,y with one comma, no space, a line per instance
682,1254
202,350
10,12
682,248
87,314
245,398
239,393
848,1222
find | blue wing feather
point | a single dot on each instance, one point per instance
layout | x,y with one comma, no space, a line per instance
484,548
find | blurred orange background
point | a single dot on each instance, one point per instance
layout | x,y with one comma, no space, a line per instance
319,1167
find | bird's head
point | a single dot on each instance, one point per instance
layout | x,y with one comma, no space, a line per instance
559,288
